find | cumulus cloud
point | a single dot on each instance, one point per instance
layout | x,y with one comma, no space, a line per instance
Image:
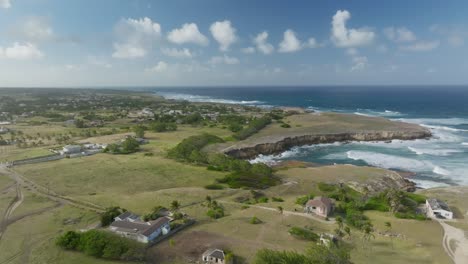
159,67
224,60
262,44
136,36
177,53
399,35
20,51
455,36
290,42
344,37
248,50
312,43
128,51
34,29
93,60
422,46
5,4
188,33
224,33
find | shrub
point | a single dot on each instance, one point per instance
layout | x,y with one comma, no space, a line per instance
214,186
304,199
277,199
254,126
326,187
108,216
188,148
255,221
101,244
378,203
284,125
303,233
262,200
216,212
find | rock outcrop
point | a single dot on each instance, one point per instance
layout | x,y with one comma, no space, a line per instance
275,147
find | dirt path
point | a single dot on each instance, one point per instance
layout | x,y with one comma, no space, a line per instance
459,254
310,216
41,190
17,200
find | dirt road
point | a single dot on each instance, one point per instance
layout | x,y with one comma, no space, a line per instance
17,200
310,216
458,249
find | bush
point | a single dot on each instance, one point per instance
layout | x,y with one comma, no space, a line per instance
108,216
163,126
277,199
304,199
101,244
214,186
254,126
326,187
189,149
418,198
216,212
378,203
262,200
303,233
255,221
284,125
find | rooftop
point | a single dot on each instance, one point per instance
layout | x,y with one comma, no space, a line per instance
215,253
437,204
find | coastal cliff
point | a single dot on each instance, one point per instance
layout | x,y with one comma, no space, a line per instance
286,143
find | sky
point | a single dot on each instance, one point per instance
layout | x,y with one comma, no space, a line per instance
89,43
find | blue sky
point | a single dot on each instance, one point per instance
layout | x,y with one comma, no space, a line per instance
181,43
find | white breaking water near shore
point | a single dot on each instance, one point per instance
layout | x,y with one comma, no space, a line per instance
206,99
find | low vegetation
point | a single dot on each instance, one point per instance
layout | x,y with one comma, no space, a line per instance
303,233
253,127
102,244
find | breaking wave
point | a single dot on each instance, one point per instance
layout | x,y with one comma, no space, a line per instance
434,152
206,99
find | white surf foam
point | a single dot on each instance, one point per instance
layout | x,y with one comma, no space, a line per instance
434,151
441,171
436,121
464,143
207,99
425,184
390,161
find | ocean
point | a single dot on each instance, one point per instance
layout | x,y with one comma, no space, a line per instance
439,161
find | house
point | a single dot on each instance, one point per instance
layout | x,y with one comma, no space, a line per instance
436,208
70,149
127,216
130,226
213,255
321,206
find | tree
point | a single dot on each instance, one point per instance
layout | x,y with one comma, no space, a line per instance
108,216
280,209
130,145
388,225
79,123
139,131
208,200
175,205
347,230
70,240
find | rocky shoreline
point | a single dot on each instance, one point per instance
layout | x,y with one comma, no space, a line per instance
286,143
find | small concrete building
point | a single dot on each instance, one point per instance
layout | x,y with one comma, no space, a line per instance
436,208
321,206
213,255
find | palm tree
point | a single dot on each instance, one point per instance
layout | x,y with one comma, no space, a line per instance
339,221
280,209
175,205
208,200
347,230
368,230
388,225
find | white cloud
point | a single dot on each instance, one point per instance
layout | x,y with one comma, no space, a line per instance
224,59
344,37
188,33
159,67
352,52
21,52
98,62
290,42
35,29
399,35
248,50
455,35
261,43
312,43
224,33
5,4
422,46
177,53
136,36
128,51
145,26
359,63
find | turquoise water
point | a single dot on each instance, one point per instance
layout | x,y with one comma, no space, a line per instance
439,161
